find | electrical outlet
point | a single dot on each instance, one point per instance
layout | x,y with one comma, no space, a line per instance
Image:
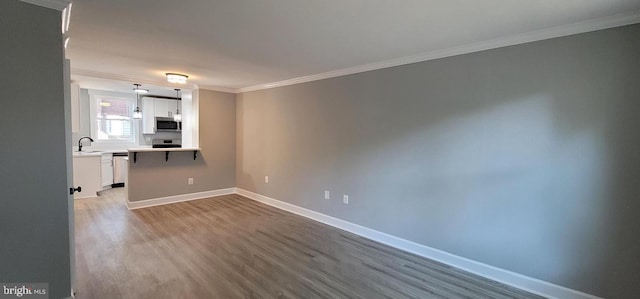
345,199
326,194
266,179
190,181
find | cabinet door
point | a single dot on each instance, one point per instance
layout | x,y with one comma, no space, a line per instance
148,116
75,107
162,108
86,174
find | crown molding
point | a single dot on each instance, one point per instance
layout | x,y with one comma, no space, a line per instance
116,77
218,88
53,4
554,32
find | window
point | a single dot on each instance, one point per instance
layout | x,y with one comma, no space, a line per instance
112,119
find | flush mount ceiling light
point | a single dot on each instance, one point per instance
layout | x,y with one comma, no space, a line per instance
176,78
137,114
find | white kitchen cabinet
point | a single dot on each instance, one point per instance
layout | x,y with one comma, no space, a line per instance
163,108
87,174
75,107
107,169
148,116
166,108
152,108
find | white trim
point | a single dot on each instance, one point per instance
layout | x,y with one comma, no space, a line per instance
54,4
94,95
132,205
116,77
554,32
218,88
520,281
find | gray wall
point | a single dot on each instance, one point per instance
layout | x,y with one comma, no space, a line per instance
526,157
152,177
34,219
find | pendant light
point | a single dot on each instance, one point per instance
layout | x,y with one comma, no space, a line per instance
177,116
137,114
139,90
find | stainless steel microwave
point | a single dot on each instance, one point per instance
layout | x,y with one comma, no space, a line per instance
167,124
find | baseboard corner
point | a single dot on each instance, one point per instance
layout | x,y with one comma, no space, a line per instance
133,205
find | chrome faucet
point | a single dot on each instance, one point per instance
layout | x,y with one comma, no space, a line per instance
80,142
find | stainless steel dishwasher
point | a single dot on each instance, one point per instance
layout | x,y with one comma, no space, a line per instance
119,169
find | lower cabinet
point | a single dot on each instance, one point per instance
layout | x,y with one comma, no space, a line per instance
87,174
93,173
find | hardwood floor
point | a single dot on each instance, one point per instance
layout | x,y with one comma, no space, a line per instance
233,247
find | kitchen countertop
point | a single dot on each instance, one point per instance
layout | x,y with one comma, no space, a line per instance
87,154
170,149
137,150
96,153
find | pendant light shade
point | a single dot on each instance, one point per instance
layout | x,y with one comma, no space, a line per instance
177,116
137,114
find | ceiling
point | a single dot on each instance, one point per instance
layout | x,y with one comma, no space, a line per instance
95,83
243,43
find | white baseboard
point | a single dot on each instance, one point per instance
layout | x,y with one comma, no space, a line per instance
132,205
520,281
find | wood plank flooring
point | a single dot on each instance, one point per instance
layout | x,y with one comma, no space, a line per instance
233,247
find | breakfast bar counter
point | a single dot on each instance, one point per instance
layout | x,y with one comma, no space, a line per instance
133,152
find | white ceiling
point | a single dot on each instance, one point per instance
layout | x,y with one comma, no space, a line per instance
242,43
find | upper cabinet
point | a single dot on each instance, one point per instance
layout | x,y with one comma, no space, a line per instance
148,116
75,107
166,107
162,108
152,108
